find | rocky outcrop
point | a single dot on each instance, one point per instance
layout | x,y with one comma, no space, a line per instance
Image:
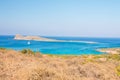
20,37
110,50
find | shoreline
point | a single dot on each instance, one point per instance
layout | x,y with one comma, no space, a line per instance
56,54
102,50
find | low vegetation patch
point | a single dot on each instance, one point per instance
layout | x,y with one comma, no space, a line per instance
2,48
27,51
118,70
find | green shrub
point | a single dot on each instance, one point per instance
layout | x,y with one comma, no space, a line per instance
114,57
2,48
27,51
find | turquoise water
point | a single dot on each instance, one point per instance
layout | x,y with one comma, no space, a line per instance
74,46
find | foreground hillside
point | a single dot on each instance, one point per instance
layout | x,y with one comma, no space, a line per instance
26,65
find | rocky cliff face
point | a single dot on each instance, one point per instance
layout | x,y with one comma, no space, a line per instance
20,37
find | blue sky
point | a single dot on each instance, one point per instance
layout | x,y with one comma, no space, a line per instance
82,18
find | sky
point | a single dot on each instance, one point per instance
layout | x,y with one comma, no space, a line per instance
76,18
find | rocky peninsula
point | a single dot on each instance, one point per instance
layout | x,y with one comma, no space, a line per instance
110,50
38,38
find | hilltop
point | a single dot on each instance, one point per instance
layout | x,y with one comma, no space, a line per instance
27,65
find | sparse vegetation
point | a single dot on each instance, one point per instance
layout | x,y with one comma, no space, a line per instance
27,51
16,65
118,70
1,48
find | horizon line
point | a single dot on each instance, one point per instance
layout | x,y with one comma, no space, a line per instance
59,36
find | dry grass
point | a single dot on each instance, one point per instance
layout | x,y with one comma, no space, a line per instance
17,66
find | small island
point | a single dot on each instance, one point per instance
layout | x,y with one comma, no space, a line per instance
37,38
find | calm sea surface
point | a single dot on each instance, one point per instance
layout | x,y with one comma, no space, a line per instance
74,46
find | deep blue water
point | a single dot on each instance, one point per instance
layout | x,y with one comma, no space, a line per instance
85,46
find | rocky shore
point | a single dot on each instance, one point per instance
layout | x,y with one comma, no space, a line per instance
110,50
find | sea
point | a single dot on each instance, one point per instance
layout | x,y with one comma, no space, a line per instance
70,45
